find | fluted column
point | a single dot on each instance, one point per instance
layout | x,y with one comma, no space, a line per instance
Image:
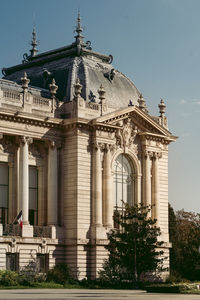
155,192
52,206
107,188
24,177
147,179
97,186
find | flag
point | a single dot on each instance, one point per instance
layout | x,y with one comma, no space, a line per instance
19,218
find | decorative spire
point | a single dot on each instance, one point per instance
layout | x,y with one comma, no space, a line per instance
101,93
79,30
25,81
141,102
77,88
162,107
34,44
53,88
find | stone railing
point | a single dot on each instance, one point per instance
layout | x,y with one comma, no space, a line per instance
42,231
27,102
92,105
12,230
11,95
40,101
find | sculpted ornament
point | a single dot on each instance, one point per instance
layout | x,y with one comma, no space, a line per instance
7,146
34,151
125,136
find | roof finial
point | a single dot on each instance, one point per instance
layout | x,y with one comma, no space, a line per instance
79,29
34,43
162,107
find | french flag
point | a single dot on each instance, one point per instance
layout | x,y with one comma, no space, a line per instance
19,219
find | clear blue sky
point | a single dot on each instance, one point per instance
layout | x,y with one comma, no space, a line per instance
156,43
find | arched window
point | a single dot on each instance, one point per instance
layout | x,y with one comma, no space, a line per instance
123,183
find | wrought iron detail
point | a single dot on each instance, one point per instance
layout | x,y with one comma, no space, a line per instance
42,231
111,59
12,230
88,43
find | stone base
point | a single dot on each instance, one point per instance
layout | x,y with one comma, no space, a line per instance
27,231
56,232
98,233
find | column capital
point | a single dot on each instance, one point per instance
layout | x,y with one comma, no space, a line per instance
25,139
147,154
109,147
54,144
157,155
98,145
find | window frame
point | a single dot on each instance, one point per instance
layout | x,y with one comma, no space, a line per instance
33,211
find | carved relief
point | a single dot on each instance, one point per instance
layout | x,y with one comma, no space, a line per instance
7,145
125,136
34,151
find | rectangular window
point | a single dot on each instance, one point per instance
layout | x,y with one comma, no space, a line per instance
33,195
4,193
42,263
12,260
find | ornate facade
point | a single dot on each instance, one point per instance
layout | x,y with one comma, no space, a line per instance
76,142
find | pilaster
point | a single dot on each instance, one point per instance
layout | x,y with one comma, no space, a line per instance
52,206
107,189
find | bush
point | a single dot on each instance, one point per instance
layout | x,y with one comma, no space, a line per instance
59,274
28,274
8,278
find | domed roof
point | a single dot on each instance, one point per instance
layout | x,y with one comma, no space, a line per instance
76,60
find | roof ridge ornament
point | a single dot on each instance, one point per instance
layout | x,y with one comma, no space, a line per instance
162,107
34,50
79,37
34,43
142,103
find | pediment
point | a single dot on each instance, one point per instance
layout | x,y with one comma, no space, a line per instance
140,121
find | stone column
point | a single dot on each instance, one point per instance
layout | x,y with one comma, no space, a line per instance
138,189
155,192
147,179
107,188
40,196
52,206
97,187
24,177
11,210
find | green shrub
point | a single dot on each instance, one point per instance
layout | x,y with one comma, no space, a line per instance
60,274
8,278
28,274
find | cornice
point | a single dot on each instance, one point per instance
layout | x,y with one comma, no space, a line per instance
18,117
158,137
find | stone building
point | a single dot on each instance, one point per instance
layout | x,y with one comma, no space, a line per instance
76,139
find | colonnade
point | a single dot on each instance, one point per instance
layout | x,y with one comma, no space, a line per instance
102,202
151,195
24,180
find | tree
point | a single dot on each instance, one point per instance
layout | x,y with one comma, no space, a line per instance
185,238
133,247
